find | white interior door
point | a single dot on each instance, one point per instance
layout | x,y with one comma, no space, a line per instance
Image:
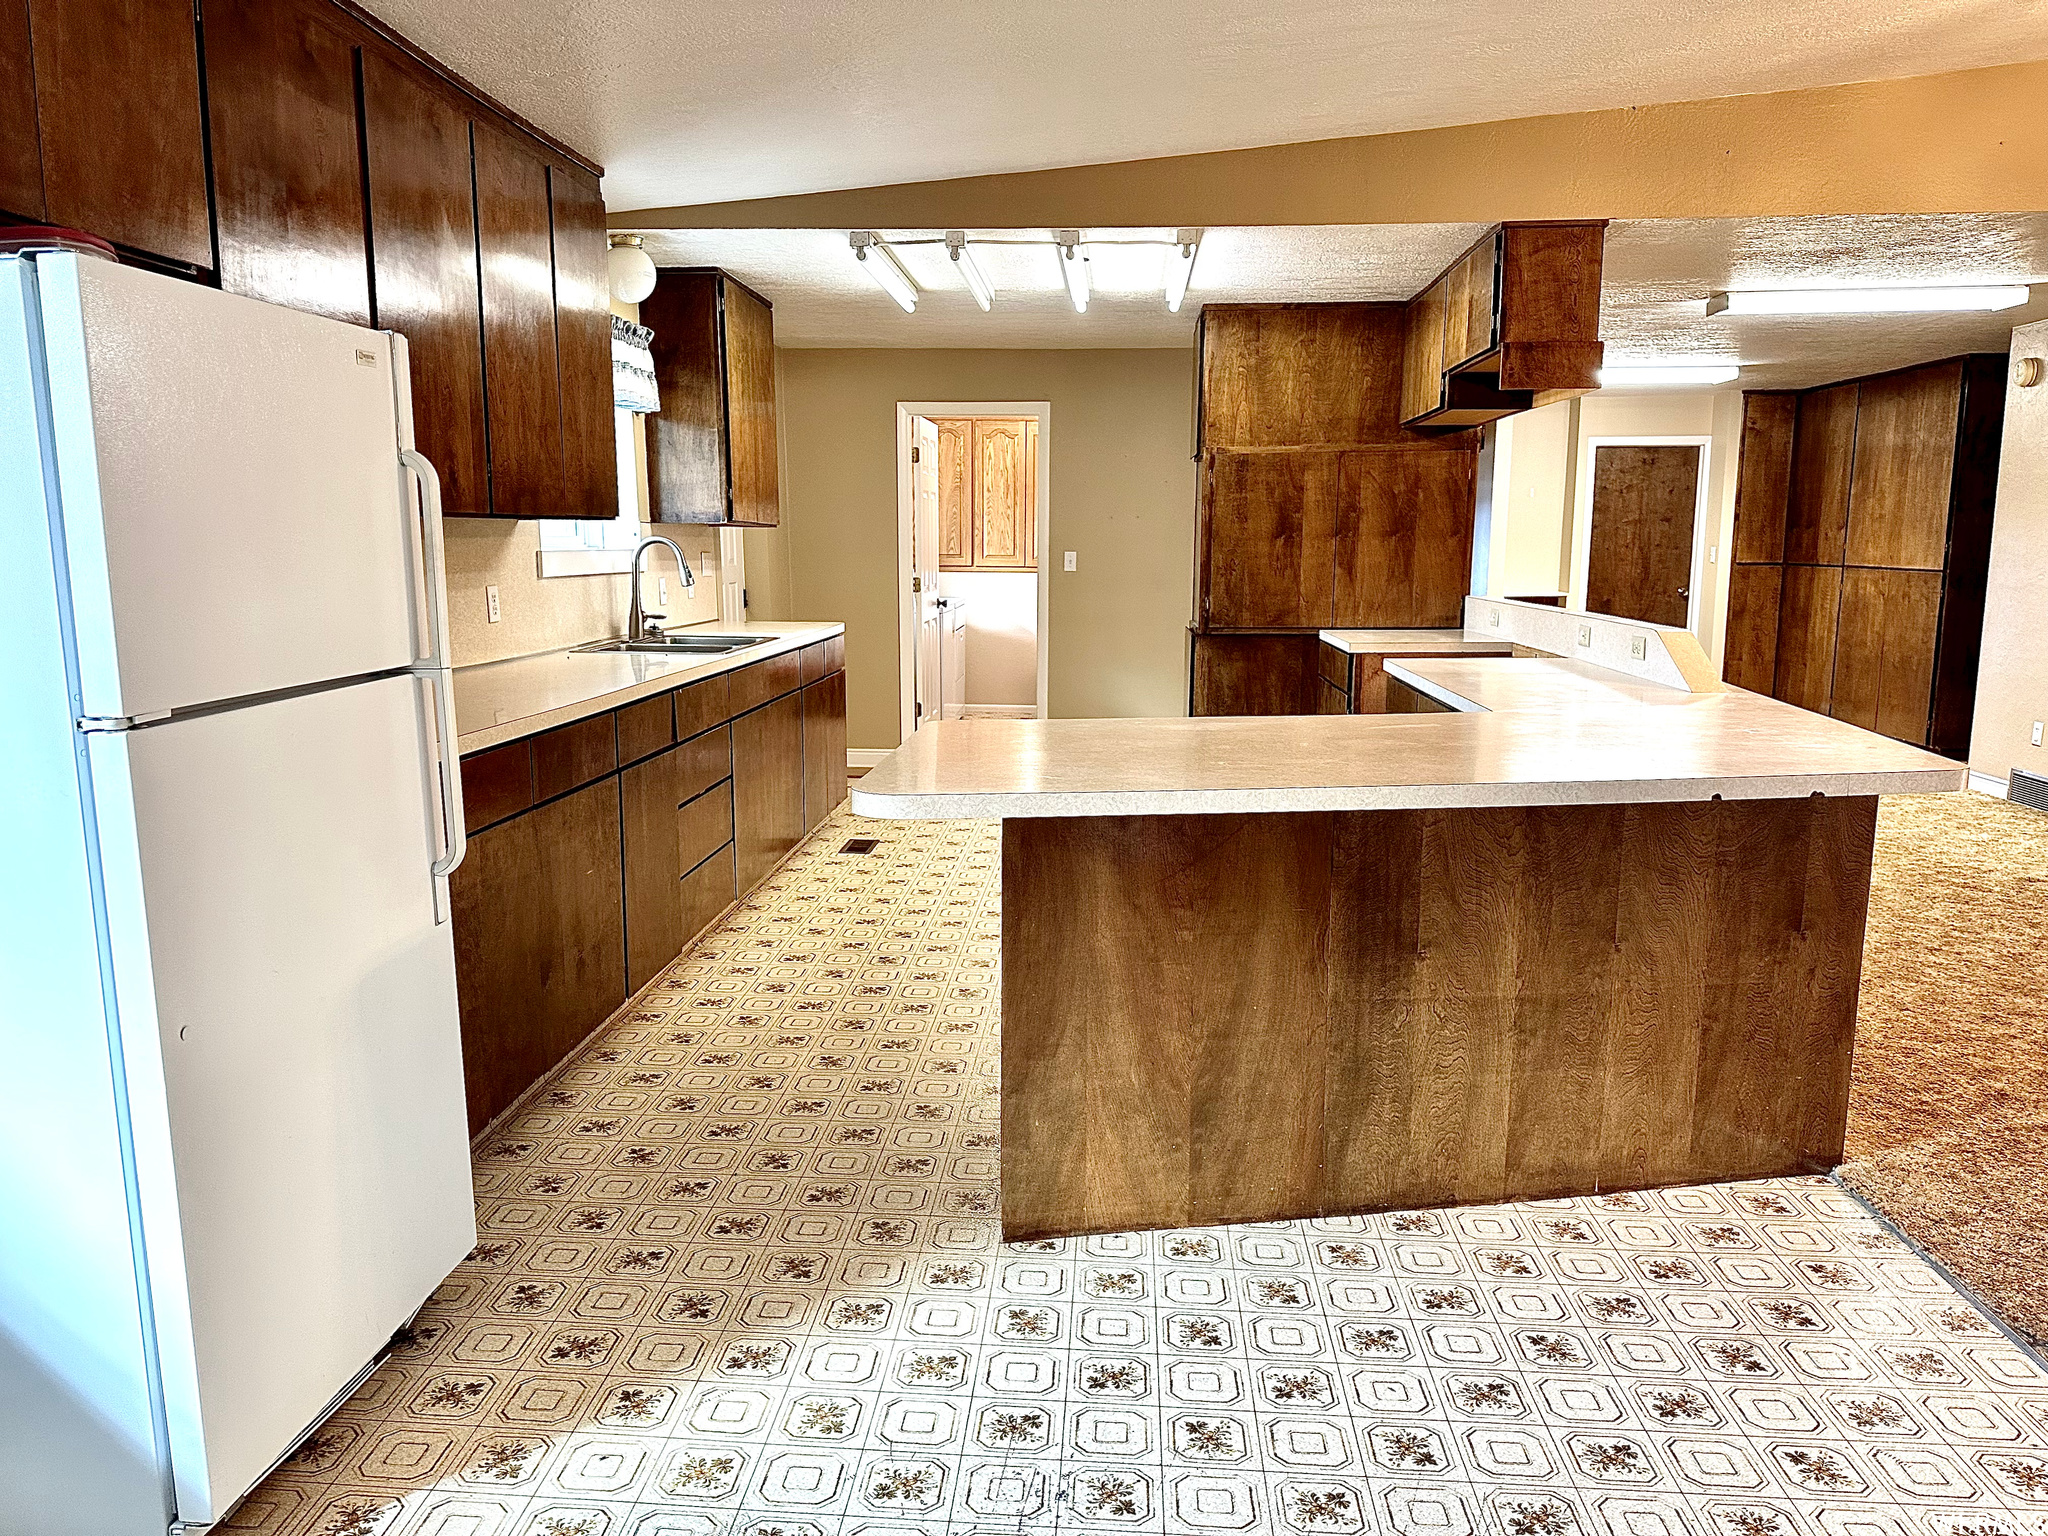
304,1164
924,554
236,518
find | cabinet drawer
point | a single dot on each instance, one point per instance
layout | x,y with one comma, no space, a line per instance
707,891
702,705
1336,667
645,728
573,755
835,655
764,680
704,825
496,784
703,762
811,662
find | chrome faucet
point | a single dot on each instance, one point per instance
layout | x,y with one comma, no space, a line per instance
639,622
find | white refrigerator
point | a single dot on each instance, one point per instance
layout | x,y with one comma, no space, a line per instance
233,1153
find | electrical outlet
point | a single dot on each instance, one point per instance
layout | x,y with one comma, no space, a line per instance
1639,647
2037,733
491,604
661,591
1071,562
1710,554
1493,617
1585,634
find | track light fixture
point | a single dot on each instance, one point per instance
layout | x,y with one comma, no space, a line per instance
1073,267
880,263
970,270
1180,266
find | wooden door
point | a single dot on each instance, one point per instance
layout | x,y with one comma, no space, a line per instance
767,786
1807,614
956,491
287,160
652,858
583,324
1823,446
1404,538
1268,539
926,681
1884,651
1002,515
522,375
123,140
1639,562
824,747
1904,467
21,149
423,250
750,407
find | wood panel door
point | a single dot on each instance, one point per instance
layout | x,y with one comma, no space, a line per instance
1904,467
1254,675
1823,447
650,793
1268,546
1806,635
423,251
522,373
749,330
1751,655
1639,558
583,326
1422,351
123,136
824,747
1302,375
686,437
287,157
1763,475
1001,476
955,447
1884,651
767,786
21,147
1404,538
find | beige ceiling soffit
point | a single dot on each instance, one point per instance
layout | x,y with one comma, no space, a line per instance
1970,141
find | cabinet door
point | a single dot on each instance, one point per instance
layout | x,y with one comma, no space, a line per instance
423,246
956,491
1751,655
522,377
583,322
1884,651
1301,375
540,957
1904,467
1823,443
767,786
749,331
1763,475
1269,548
686,437
287,165
649,793
1806,635
1002,517
824,748
1422,356
21,150
1404,538
1254,675
117,103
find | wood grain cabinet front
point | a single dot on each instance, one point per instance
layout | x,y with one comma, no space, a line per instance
824,747
21,144
711,448
522,368
768,786
583,325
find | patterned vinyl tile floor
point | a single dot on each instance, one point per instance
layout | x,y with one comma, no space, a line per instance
739,1275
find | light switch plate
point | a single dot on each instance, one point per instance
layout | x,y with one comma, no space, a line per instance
2037,733
1070,565
661,591
1493,617
491,604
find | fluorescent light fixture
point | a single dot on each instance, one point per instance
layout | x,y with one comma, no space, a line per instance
1867,301
970,270
1180,266
1634,375
880,263
1073,267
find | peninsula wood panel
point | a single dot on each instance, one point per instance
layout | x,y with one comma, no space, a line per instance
1253,675
1474,1005
1807,614
1884,651
956,491
1269,524
1403,538
749,336
119,118
287,158
1751,656
1904,467
416,161
21,148
1823,452
1763,475
522,373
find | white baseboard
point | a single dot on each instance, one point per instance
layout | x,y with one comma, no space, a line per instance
1987,784
865,757
1000,712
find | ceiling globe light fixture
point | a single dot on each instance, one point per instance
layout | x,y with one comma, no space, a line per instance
1073,267
1180,266
629,269
970,270
1869,301
880,263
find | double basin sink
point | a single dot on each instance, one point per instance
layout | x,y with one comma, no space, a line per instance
676,645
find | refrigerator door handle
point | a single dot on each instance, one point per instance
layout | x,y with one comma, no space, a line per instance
435,667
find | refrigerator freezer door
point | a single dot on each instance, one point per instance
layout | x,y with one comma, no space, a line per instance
236,520
304,1167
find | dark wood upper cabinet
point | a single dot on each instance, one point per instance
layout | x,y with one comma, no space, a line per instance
287,163
123,140
1299,375
711,447
1763,475
1807,612
1903,466
21,150
1823,445
522,372
423,257
1404,539
583,330
1269,529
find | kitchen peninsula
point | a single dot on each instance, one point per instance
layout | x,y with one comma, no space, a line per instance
1580,926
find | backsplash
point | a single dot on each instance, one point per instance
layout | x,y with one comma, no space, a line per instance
546,615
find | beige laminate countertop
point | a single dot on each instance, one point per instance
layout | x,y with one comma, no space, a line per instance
1415,642
500,701
1534,732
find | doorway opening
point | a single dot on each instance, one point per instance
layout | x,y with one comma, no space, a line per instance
973,509
1645,512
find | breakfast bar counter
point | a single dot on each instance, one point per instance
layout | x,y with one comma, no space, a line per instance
1577,931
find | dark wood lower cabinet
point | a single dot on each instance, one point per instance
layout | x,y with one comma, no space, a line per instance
649,793
539,941
824,748
1254,674
768,786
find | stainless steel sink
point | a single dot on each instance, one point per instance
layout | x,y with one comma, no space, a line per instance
679,645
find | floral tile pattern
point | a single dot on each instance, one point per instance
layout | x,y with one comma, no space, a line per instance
739,1274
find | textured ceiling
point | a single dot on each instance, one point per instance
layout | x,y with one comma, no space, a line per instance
688,101
1658,273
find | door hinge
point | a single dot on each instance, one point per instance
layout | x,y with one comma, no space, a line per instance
917,710
914,455
917,583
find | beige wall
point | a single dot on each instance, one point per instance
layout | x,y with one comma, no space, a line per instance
1122,496
2012,676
